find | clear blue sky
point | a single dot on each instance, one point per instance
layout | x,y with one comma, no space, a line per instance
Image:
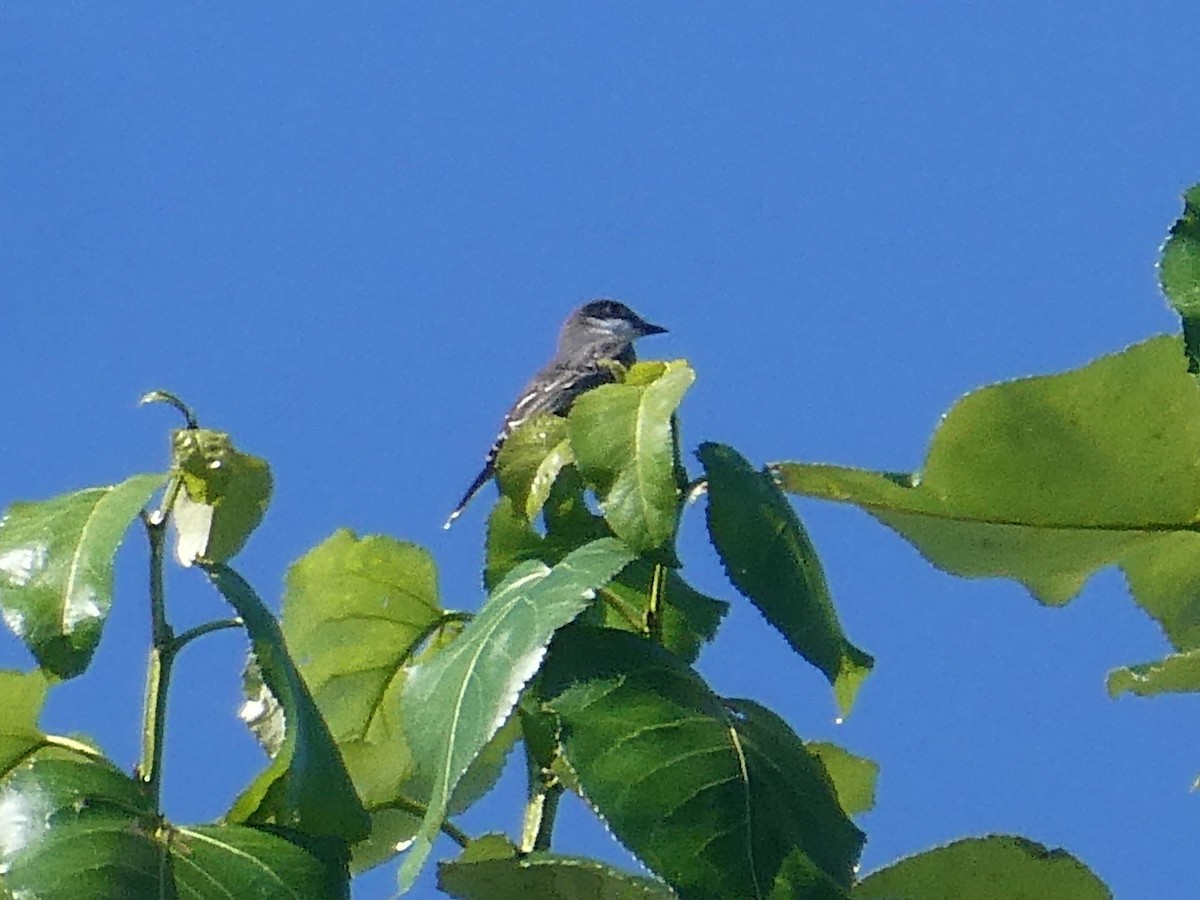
347,235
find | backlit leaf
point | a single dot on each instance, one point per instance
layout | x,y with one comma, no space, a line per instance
997,867
1046,480
224,497
623,439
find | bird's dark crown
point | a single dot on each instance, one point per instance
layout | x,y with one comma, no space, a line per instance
608,309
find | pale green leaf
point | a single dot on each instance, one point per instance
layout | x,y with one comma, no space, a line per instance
224,497
623,439
1048,479
997,867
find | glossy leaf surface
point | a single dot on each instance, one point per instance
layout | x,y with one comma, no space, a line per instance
712,795
79,829
56,568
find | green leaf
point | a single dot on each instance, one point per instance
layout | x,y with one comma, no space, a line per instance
712,795
624,442
224,861
1179,273
81,830
1047,479
489,869
799,877
769,558
511,540
21,697
689,619
454,703
853,776
997,867
56,568
356,614
530,460
224,497
306,786
1177,674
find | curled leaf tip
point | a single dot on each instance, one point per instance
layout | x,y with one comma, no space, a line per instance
171,400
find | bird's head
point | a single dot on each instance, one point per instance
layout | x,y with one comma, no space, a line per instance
607,324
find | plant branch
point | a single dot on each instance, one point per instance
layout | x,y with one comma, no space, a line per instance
412,807
158,672
191,634
658,587
446,618
623,609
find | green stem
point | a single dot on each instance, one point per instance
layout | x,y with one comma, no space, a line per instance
413,808
658,587
623,609
545,790
442,621
158,672
200,630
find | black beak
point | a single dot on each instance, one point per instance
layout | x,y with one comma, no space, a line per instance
647,329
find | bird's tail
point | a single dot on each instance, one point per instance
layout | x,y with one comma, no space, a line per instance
480,480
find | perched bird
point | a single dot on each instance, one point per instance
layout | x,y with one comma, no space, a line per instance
593,338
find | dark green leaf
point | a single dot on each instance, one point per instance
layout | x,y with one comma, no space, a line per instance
997,867
56,570
1047,479
79,829
225,494
454,703
624,444
769,558
689,619
234,861
1179,273
712,796
306,786
511,541
798,877
495,873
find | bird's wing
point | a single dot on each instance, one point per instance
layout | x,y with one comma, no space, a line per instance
552,390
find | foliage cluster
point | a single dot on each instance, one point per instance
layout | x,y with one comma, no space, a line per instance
385,715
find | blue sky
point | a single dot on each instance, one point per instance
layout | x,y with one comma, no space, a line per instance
347,237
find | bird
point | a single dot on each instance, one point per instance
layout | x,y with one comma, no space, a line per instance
594,340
